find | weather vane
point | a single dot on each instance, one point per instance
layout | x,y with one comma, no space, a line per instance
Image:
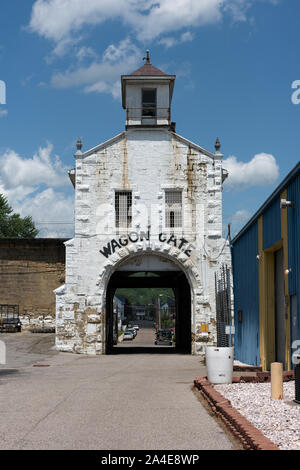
147,58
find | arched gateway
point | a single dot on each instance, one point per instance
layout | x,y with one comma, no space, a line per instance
147,200
161,271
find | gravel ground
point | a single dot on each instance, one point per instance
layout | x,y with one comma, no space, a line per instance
279,420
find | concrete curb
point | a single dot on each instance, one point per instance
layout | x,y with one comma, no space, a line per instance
249,436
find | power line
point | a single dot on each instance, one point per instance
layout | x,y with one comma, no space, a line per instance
215,259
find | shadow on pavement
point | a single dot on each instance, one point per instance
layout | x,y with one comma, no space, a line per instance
145,350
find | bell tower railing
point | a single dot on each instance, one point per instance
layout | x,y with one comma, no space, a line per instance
148,116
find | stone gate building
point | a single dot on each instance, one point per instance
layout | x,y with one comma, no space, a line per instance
147,200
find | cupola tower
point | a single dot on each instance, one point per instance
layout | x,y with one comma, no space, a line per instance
147,95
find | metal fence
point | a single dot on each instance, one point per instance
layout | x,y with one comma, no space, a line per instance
223,307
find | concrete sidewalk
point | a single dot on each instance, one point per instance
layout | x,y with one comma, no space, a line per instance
117,402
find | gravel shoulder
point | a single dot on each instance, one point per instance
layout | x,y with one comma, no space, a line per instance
279,420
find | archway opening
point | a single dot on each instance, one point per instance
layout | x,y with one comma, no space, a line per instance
144,316
165,319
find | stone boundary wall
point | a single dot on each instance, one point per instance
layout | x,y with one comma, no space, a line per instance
30,269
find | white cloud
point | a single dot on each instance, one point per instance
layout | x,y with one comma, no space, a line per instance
42,168
31,187
57,19
61,20
236,220
173,41
86,53
63,46
102,75
3,113
262,170
66,23
238,9
52,211
186,37
240,216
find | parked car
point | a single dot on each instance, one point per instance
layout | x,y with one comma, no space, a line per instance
10,321
164,337
133,331
136,327
127,335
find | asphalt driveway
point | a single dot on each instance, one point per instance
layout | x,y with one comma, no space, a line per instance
143,401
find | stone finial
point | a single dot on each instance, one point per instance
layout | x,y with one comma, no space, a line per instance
79,144
217,145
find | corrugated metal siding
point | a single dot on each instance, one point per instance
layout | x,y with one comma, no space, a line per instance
246,297
272,224
293,194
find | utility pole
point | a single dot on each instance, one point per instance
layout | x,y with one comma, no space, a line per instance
159,323
159,319
117,319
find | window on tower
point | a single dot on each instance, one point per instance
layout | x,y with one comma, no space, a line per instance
149,102
123,203
173,206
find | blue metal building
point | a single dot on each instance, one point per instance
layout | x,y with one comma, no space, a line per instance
266,276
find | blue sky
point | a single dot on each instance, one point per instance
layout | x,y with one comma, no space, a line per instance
61,61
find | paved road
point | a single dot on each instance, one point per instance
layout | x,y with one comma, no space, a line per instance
24,349
144,339
116,402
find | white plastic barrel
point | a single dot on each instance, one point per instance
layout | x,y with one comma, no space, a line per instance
219,364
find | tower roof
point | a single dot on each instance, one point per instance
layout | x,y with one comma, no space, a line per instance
146,73
148,70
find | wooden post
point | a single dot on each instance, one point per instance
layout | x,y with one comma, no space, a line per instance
276,381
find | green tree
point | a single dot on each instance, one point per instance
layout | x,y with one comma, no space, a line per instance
13,225
145,296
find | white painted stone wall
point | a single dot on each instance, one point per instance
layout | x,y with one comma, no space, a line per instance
147,162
